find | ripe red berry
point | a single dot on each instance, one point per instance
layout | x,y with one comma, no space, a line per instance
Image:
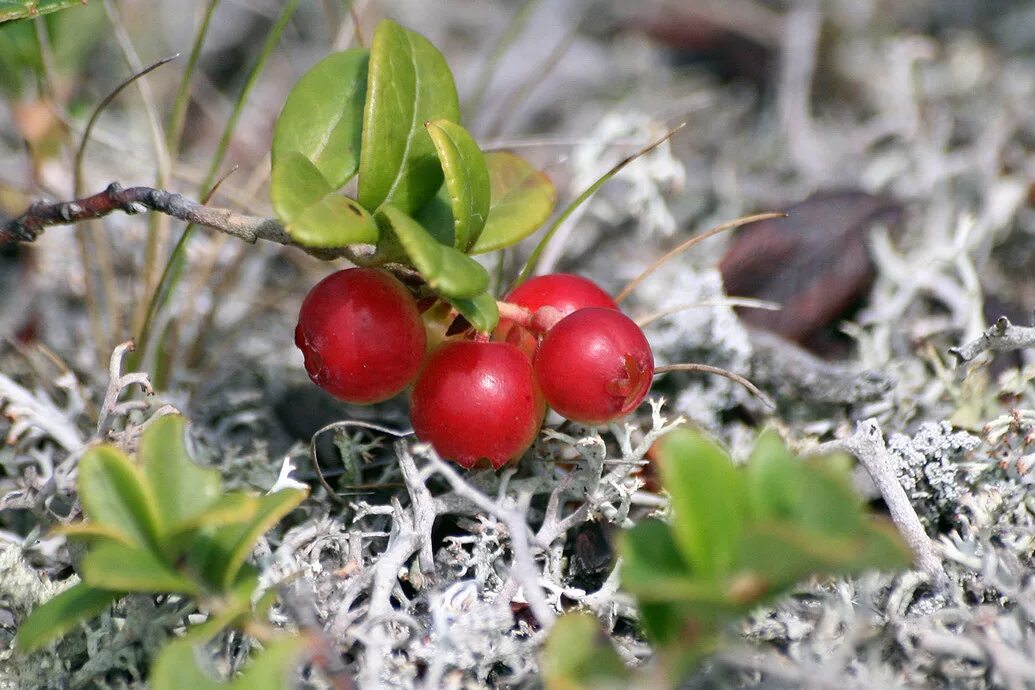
565,292
361,334
477,400
594,366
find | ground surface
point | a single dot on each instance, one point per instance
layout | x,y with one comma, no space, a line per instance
431,578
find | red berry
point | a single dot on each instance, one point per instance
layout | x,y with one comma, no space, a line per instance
594,366
361,334
477,401
565,292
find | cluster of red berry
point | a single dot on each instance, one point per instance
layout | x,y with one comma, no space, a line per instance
561,341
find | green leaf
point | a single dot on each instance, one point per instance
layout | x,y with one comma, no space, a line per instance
773,474
447,271
467,180
522,200
21,9
92,533
182,489
115,494
436,217
579,655
228,509
117,567
829,504
272,668
314,215
177,667
57,616
218,557
322,118
708,498
409,83
480,311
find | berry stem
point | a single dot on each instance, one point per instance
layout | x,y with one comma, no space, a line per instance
707,369
516,313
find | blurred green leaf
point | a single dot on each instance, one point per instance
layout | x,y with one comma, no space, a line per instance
409,84
649,554
176,667
57,616
782,555
128,569
182,489
466,180
447,271
92,533
709,500
774,490
829,504
480,311
115,494
522,199
21,9
578,655
322,118
19,56
219,555
314,215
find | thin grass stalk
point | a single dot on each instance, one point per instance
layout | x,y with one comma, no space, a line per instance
533,259
171,275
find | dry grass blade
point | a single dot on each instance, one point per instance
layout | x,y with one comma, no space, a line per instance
708,369
736,223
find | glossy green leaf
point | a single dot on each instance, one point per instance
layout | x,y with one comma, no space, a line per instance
128,569
271,669
182,489
55,617
579,655
409,84
21,9
772,474
522,199
313,214
467,180
219,556
114,494
436,217
322,118
481,311
709,500
447,271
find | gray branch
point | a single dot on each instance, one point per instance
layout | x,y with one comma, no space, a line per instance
1002,336
867,445
790,372
43,214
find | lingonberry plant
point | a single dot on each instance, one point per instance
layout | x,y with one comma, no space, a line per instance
739,536
159,523
427,199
